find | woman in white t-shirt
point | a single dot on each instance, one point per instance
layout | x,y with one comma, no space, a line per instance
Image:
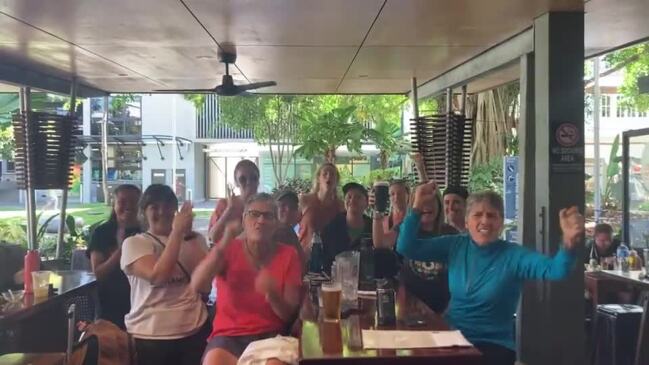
167,319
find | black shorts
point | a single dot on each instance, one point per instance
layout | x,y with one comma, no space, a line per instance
235,344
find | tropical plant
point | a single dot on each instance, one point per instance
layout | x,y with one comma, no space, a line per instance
12,232
296,185
388,140
381,175
613,186
487,176
324,132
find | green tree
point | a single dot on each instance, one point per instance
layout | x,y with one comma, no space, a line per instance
383,113
634,61
324,132
273,120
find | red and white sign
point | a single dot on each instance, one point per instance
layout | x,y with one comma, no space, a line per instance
567,135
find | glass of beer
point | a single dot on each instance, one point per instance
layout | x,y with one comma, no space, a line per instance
381,196
331,300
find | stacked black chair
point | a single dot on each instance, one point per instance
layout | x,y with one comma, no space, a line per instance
52,146
444,141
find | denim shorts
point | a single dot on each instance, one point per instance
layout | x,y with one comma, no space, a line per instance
235,344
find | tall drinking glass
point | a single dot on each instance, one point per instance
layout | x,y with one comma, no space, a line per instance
331,293
347,264
381,196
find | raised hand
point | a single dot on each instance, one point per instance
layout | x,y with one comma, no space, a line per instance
420,165
572,226
183,220
424,195
265,284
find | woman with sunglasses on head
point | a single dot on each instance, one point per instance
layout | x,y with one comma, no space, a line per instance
321,205
258,280
105,251
167,319
246,177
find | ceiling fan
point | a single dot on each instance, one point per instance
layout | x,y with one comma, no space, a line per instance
227,87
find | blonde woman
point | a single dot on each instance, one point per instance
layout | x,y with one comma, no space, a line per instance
321,205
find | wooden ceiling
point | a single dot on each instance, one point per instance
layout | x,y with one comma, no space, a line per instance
307,46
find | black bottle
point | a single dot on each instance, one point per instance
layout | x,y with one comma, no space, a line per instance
385,303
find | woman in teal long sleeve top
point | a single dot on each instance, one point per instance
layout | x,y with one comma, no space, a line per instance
486,273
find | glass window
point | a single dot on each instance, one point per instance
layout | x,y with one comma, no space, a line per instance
605,106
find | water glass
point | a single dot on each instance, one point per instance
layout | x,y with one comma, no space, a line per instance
41,283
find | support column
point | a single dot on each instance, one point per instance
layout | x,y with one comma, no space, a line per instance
553,312
526,200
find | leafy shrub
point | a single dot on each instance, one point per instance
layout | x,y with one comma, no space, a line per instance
297,185
487,176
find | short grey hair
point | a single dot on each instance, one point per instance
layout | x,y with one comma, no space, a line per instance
261,198
488,196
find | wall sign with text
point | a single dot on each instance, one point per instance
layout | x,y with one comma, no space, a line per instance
566,149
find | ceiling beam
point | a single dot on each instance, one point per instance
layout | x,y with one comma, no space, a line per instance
25,76
501,55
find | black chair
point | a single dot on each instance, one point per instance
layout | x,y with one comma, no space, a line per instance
642,348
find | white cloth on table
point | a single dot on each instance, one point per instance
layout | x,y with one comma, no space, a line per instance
282,348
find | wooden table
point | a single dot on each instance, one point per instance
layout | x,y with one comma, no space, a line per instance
33,359
323,342
40,325
634,277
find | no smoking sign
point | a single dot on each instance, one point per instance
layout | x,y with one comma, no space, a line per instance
567,135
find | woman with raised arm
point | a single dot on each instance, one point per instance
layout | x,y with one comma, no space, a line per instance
321,205
105,251
427,279
246,177
486,273
258,281
167,319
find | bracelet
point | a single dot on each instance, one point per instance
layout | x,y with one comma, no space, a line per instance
378,215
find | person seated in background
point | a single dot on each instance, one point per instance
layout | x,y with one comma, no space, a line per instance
167,319
603,247
347,229
288,216
105,252
258,281
455,206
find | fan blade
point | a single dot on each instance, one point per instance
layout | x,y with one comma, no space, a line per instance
185,91
256,85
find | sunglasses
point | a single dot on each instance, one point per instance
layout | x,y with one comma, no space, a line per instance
256,214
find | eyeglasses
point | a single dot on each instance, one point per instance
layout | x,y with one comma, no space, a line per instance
256,214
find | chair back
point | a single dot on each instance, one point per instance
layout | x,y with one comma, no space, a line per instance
642,348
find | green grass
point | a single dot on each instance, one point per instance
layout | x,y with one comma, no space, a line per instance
90,213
